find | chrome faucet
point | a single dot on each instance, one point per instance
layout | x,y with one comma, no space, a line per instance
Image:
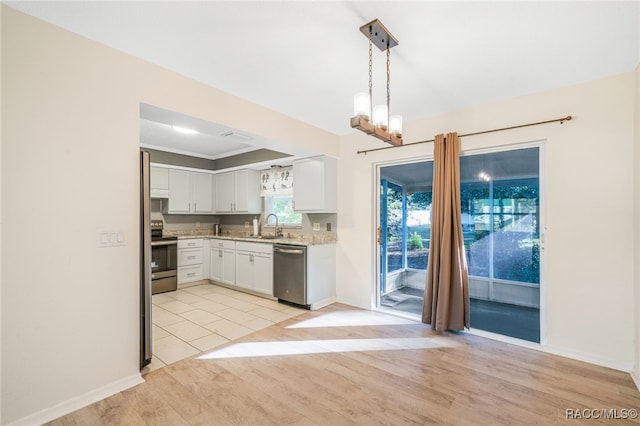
278,231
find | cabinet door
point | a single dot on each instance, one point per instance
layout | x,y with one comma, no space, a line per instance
244,269
263,273
248,191
216,264
202,193
159,182
225,190
308,187
228,266
241,191
179,191
315,184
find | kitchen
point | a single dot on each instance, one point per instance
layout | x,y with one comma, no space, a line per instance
245,227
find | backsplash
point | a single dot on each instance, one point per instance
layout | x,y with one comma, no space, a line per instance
183,224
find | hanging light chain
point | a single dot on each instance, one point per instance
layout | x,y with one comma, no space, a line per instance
370,74
388,82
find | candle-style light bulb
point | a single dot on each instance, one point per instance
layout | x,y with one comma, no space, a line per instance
361,105
381,116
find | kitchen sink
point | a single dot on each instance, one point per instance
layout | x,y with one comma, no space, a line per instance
268,237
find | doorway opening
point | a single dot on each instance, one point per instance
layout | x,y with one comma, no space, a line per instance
500,203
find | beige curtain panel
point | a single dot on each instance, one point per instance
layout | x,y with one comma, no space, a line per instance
446,297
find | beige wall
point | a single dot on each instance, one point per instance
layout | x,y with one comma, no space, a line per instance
70,164
587,190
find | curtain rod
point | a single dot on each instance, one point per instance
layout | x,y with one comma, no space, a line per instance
561,120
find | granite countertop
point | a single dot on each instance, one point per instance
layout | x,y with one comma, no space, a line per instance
301,240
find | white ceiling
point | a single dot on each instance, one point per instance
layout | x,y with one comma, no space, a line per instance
306,59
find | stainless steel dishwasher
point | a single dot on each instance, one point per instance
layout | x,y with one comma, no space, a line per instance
290,273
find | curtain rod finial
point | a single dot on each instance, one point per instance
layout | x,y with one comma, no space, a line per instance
567,118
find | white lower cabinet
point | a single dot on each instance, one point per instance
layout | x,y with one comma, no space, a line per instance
190,260
254,266
222,261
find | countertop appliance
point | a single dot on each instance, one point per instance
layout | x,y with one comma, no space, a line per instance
290,274
164,260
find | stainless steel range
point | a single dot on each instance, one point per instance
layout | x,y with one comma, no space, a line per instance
164,260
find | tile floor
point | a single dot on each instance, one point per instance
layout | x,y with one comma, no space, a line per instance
195,319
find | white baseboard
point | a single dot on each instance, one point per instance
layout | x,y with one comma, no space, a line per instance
636,379
603,362
322,303
563,352
66,407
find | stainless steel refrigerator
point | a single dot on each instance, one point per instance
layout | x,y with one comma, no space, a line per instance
145,262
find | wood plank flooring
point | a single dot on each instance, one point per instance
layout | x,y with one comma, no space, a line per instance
383,370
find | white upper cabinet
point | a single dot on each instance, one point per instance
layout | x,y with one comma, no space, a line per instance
315,186
190,192
238,192
159,182
225,192
202,192
179,191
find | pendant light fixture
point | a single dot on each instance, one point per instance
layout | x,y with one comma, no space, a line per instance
375,120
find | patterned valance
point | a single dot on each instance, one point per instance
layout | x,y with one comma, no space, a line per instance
276,181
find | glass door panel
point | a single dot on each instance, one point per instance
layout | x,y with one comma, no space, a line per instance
405,232
501,225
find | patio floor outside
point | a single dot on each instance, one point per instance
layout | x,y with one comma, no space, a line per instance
520,322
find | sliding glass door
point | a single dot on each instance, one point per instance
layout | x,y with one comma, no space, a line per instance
500,196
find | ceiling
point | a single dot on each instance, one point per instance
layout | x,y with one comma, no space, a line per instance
306,59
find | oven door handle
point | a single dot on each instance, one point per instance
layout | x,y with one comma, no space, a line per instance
164,243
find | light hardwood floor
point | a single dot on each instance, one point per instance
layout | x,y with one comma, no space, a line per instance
341,365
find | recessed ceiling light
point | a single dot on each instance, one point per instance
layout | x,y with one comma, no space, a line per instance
184,130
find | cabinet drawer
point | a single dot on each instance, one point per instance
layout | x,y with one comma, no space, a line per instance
190,243
189,273
224,244
266,248
189,256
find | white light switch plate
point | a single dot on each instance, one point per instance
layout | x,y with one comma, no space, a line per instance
111,238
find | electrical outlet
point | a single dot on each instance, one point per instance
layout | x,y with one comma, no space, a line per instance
197,225
329,226
246,225
316,226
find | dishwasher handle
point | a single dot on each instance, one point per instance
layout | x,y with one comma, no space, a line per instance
289,251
